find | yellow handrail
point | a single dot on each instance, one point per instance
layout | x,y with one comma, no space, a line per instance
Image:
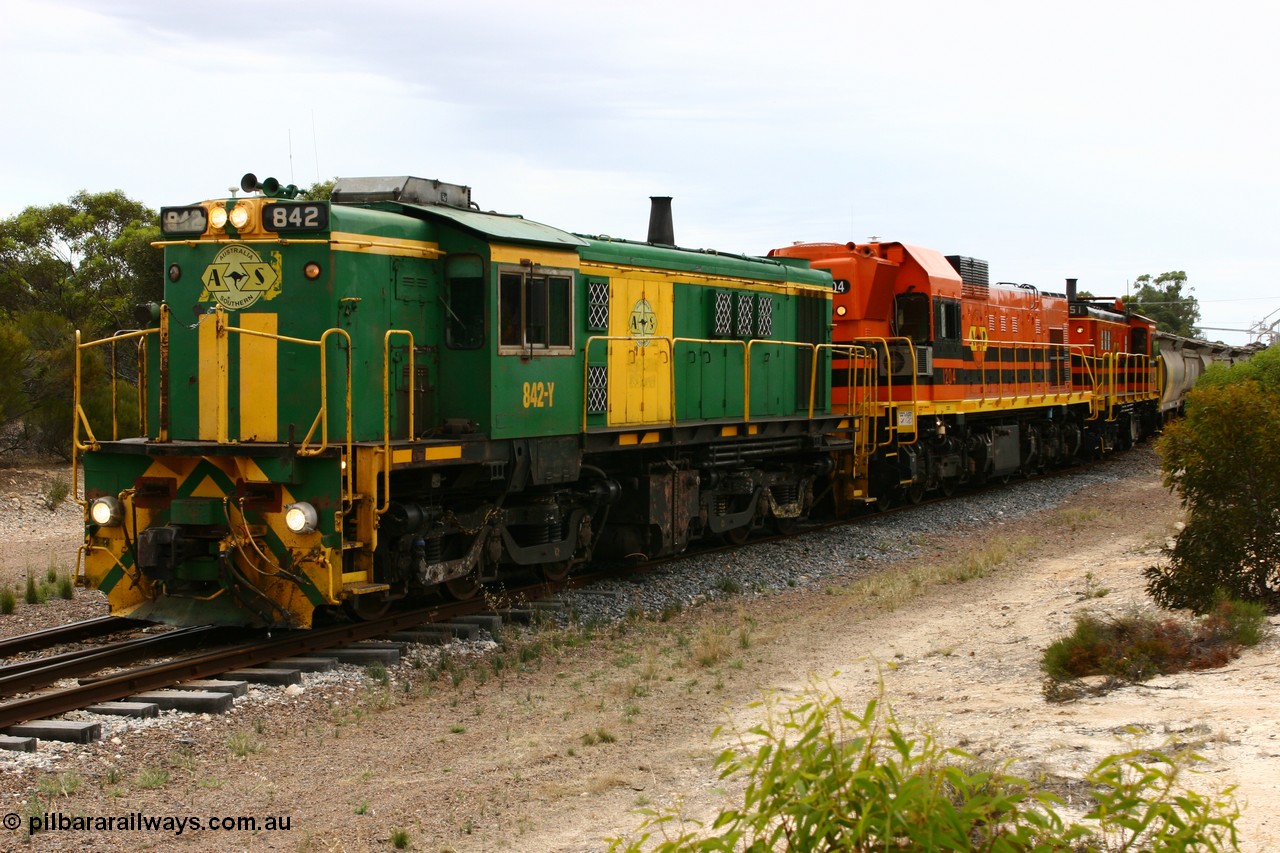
386,411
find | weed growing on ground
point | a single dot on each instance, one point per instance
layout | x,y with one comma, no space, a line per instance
150,778
711,645
600,735
820,776
55,492
62,785
1137,646
891,590
243,744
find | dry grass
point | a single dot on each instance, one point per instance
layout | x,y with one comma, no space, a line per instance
893,589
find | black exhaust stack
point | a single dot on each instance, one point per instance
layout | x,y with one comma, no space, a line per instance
661,230
1071,290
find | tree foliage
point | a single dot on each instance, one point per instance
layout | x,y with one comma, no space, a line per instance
1223,458
89,261
320,190
1167,299
85,264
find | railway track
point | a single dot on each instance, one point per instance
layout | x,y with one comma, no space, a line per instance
121,685
61,634
317,640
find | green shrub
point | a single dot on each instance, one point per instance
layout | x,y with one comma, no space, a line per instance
8,601
823,777
56,492
32,595
1223,459
1135,647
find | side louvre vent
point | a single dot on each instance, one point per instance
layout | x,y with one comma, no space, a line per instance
598,306
597,389
746,317
924,361
764,307
724,314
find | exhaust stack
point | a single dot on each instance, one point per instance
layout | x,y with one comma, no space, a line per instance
661,229
1071,290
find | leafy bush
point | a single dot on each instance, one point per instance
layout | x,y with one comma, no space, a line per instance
56,492
823,777
1224,460
1135,647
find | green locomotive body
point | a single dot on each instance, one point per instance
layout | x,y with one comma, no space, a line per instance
392,393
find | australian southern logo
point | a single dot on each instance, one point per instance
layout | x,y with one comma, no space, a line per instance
239,277
643,322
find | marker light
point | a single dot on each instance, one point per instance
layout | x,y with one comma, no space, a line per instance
106,512
301,517
311,270
218,217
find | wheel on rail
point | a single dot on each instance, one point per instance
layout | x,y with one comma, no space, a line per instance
461,589
367,607
785,526
915,492
737,535
947,486
554,572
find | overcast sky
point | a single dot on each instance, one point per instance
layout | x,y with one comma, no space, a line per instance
1093,140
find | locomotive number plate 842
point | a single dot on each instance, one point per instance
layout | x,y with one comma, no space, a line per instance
296,216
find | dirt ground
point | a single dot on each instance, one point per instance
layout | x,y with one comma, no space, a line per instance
554,749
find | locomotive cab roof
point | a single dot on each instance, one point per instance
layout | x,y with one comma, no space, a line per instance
431,198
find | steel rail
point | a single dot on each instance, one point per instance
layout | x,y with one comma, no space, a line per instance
25,676
207,664
74,632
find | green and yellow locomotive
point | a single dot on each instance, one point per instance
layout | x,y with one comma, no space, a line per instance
392,393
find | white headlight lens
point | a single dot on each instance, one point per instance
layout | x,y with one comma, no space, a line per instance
218,217
239,216
105,512
301,517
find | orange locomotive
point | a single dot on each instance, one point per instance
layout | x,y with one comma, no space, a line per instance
949,379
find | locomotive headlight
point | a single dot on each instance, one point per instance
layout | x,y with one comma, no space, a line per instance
218,217
239,216
106,512
301,517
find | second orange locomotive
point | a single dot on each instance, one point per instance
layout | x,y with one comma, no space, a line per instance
956,380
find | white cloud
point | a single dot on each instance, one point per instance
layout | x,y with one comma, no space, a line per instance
1093,139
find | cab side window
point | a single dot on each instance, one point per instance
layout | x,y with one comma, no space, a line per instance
535,311
463,302
911,317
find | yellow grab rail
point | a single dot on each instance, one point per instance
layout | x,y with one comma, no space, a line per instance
386,410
